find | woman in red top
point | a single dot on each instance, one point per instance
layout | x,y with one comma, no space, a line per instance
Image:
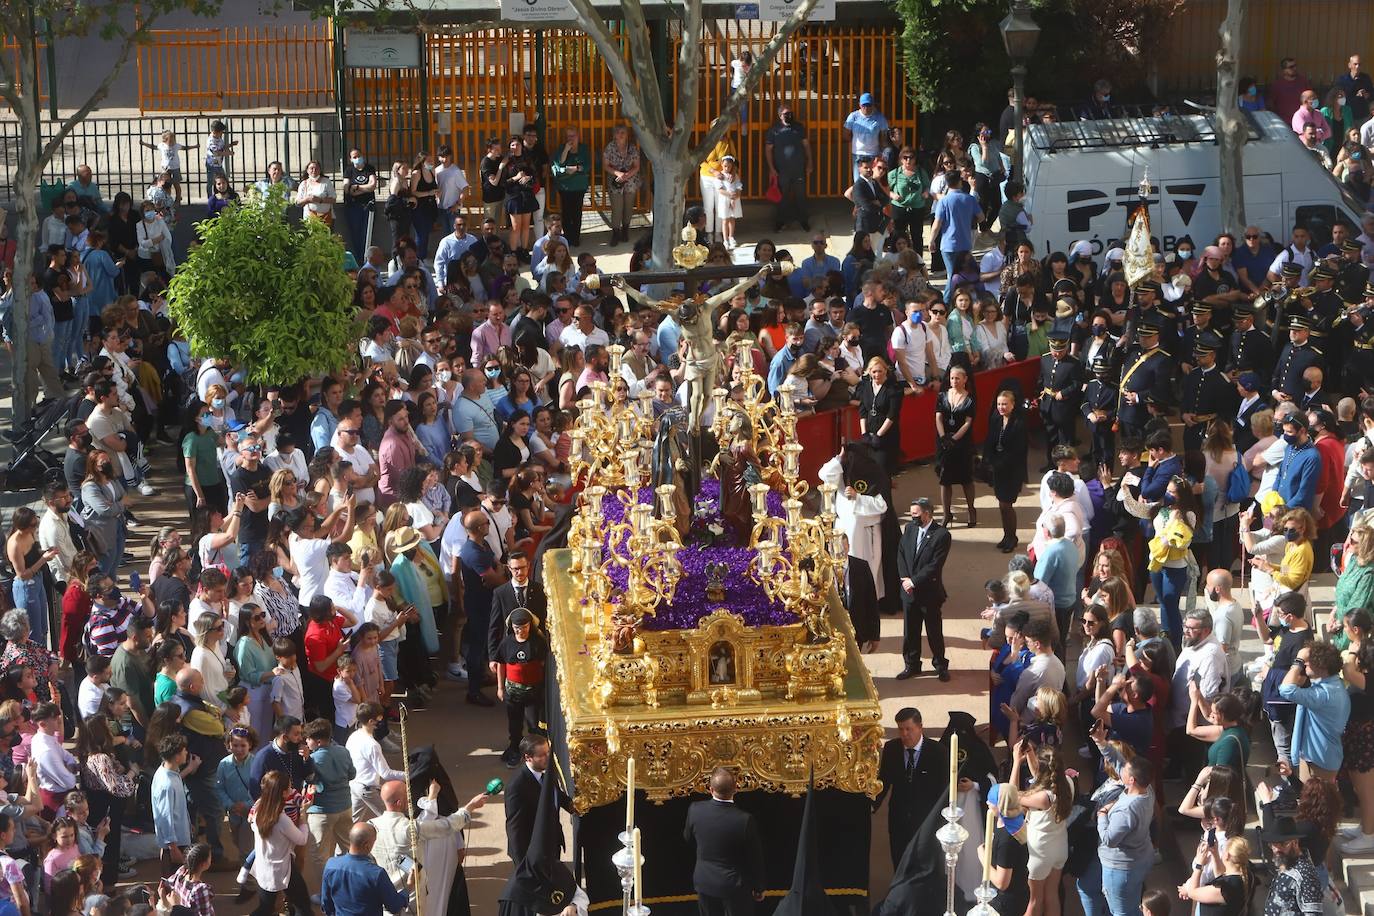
76,610
324,643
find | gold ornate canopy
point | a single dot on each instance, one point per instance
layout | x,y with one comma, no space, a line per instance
722,699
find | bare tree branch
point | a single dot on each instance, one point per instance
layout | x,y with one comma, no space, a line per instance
688,72
642,61
97,95
590,22
762,64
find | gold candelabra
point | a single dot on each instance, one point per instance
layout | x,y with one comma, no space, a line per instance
771,424
611,442
797,557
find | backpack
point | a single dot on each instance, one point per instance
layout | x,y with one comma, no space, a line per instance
1238,484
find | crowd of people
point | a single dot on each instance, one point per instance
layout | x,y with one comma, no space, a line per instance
354,537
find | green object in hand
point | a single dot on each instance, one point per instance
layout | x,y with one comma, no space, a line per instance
495,786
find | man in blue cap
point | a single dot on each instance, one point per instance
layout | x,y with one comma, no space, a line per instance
866,127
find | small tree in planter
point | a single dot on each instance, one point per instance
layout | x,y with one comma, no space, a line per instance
270,295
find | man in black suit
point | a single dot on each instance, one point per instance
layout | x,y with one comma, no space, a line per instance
916,772
522,795
728,876
859,595
520,591
921,556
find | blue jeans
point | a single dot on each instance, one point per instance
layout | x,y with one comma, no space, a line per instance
63,332
1089,886
356,215
1123,887
31,597
1170,583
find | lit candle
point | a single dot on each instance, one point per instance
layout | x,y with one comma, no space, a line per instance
629,794
987,847
639,872
954,770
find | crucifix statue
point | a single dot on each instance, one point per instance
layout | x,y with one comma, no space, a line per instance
694,312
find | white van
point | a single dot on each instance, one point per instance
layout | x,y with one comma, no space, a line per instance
1083,177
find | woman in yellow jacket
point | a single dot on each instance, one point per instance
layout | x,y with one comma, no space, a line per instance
1299,529
708,177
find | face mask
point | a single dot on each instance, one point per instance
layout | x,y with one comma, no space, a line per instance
1107,97
277,571
217,403
1168,499
1340,101
113,597
1290,438
149,214
493,373
794,349
445,376
788,118
358,163
1099,330
1185,253
1290,534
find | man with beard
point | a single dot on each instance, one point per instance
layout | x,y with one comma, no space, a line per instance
1203,659
1295,887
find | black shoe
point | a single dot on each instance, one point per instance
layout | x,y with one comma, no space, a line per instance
243,895
906,673
480,699
1008,546
942,671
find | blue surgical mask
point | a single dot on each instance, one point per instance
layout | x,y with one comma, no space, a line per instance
278,572
493,373
1290,438
1185,253
358,162
217,403
149,214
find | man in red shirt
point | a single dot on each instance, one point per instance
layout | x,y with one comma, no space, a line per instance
1285,92
324,643
1331,521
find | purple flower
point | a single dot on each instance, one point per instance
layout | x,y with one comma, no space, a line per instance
743,595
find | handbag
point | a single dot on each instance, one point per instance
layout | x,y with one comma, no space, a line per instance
1238,484
774,193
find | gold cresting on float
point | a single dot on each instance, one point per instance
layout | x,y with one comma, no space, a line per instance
775,700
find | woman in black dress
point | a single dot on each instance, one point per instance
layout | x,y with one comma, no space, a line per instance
424,189
122,238
1228,893
880,410
1004,450
954,443
519,179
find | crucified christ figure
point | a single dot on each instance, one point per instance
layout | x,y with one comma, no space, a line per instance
694,314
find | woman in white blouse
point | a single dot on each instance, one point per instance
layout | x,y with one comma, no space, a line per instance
155,240
275,838
990,335
315,195
208,656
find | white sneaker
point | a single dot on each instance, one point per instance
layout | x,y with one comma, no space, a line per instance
1349,832
457,672
1362,843
147,489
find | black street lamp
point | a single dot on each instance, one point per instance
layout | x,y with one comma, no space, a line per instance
1020,35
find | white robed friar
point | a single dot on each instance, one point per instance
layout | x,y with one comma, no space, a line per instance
440,840
861,518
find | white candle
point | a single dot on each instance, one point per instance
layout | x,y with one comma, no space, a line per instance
629,794
639,872
953,770
987,847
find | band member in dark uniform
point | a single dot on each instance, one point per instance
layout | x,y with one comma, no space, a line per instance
1061,389
1207,392
1287,382
1099,410
1359,332
1354,276
1146,381
1250,348
1202,324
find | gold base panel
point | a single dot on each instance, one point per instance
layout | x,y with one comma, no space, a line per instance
760,700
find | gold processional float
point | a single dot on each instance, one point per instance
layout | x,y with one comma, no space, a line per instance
685,641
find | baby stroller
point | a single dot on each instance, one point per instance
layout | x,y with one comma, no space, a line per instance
33,466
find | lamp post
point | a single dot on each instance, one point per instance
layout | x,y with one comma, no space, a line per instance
1020,35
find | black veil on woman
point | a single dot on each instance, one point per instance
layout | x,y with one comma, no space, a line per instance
865,473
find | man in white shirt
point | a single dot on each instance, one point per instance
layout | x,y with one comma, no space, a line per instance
92,688
211,373
1203,659
911,344
347,589
54,531
1066,461
1299,251
990,268
370,768
452,247
1227,618
583,332
309,552
453,186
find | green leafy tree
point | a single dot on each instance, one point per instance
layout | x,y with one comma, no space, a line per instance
270,295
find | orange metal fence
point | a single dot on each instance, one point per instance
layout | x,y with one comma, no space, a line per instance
1274,29
10,49
211,70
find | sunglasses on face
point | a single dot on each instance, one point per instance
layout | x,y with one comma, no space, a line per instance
1252,236
937,311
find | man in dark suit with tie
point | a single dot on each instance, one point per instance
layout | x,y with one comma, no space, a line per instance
921,556
859,595
728,876
520,591
916,772
522,795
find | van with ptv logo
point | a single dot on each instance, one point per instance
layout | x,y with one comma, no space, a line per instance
1083,179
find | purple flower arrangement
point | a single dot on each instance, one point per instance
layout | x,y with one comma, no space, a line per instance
709,540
